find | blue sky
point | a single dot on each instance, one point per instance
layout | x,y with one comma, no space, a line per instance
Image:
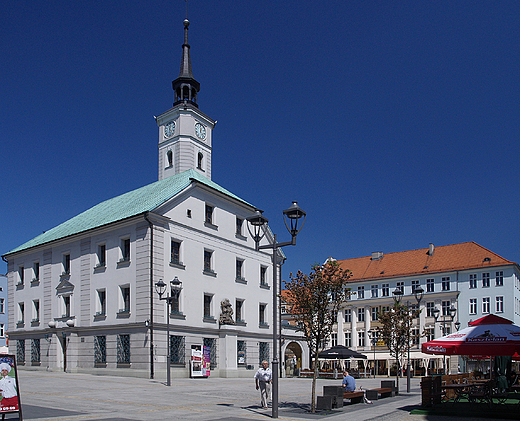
393,123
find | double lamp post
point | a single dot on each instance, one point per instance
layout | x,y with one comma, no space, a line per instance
258,223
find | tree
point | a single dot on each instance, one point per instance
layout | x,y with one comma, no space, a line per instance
396,332
314,301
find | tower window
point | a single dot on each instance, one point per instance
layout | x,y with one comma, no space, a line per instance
200,158
169,157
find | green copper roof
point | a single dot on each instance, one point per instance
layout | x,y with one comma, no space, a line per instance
136,202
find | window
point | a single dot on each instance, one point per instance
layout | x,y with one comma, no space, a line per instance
239,225
124,299
20,351
175,257
348,315
446,308
240,270
101,305
211,343
430,306
374,289
485,305
361,338
21,313
35,351
66,264
415,285
445,282
125,250
208,257
239,304
261,316
123,349
335,316
175,297
415,336
100,350
430,333
36,271
414,309
21,275
263,352
200,158
499,278
102,255
361,314
473,280
499,304
65,306
177,349
400,285
472,306
36,311
384,309
169,157
360,292
208,314
385,290
241,353
374,313
2,330
2,305
263,275
430,285
209,214
485,280
348,339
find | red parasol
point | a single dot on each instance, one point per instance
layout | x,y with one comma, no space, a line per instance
489,335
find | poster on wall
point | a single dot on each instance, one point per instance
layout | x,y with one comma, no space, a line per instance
9,390
206,357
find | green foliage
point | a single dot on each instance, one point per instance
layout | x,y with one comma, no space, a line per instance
314,301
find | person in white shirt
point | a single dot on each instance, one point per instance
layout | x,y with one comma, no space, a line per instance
263,379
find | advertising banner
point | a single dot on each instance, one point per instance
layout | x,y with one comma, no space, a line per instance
206,361
10,396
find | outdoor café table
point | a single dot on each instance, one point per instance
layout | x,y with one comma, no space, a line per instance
461,391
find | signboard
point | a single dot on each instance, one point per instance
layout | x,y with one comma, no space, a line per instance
196,361
206,358
10,396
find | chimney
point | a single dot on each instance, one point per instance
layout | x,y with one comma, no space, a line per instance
431,249
377,255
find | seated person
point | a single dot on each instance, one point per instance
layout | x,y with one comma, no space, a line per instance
349,383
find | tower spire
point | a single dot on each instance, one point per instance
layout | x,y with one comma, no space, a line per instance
185,87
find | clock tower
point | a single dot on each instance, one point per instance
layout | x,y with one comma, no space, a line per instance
185,131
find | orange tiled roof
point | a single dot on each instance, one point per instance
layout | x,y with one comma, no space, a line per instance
453,257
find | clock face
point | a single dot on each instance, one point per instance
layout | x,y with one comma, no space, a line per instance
169,129
200,131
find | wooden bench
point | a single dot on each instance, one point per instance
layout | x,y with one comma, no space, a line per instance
355,397
373,394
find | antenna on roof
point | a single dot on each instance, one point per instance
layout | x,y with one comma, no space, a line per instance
186,9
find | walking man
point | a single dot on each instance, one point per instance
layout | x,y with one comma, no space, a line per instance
263,382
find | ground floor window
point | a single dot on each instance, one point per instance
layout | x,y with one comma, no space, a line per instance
241,353
123,349
177,350
20,351
263,352
35,351
100,350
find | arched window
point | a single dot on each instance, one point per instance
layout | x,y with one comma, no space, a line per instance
199,160
169,155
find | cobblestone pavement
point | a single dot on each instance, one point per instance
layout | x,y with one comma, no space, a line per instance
69,396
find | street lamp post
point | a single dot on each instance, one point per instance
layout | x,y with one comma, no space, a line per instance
418,294
374,335
451,313
258,222
172,294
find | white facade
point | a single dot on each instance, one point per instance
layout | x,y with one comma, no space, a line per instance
483,287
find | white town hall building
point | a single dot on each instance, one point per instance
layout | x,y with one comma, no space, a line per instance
82,295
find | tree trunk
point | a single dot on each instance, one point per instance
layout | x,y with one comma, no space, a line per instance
314,377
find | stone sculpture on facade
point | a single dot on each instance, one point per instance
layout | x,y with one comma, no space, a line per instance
226,314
